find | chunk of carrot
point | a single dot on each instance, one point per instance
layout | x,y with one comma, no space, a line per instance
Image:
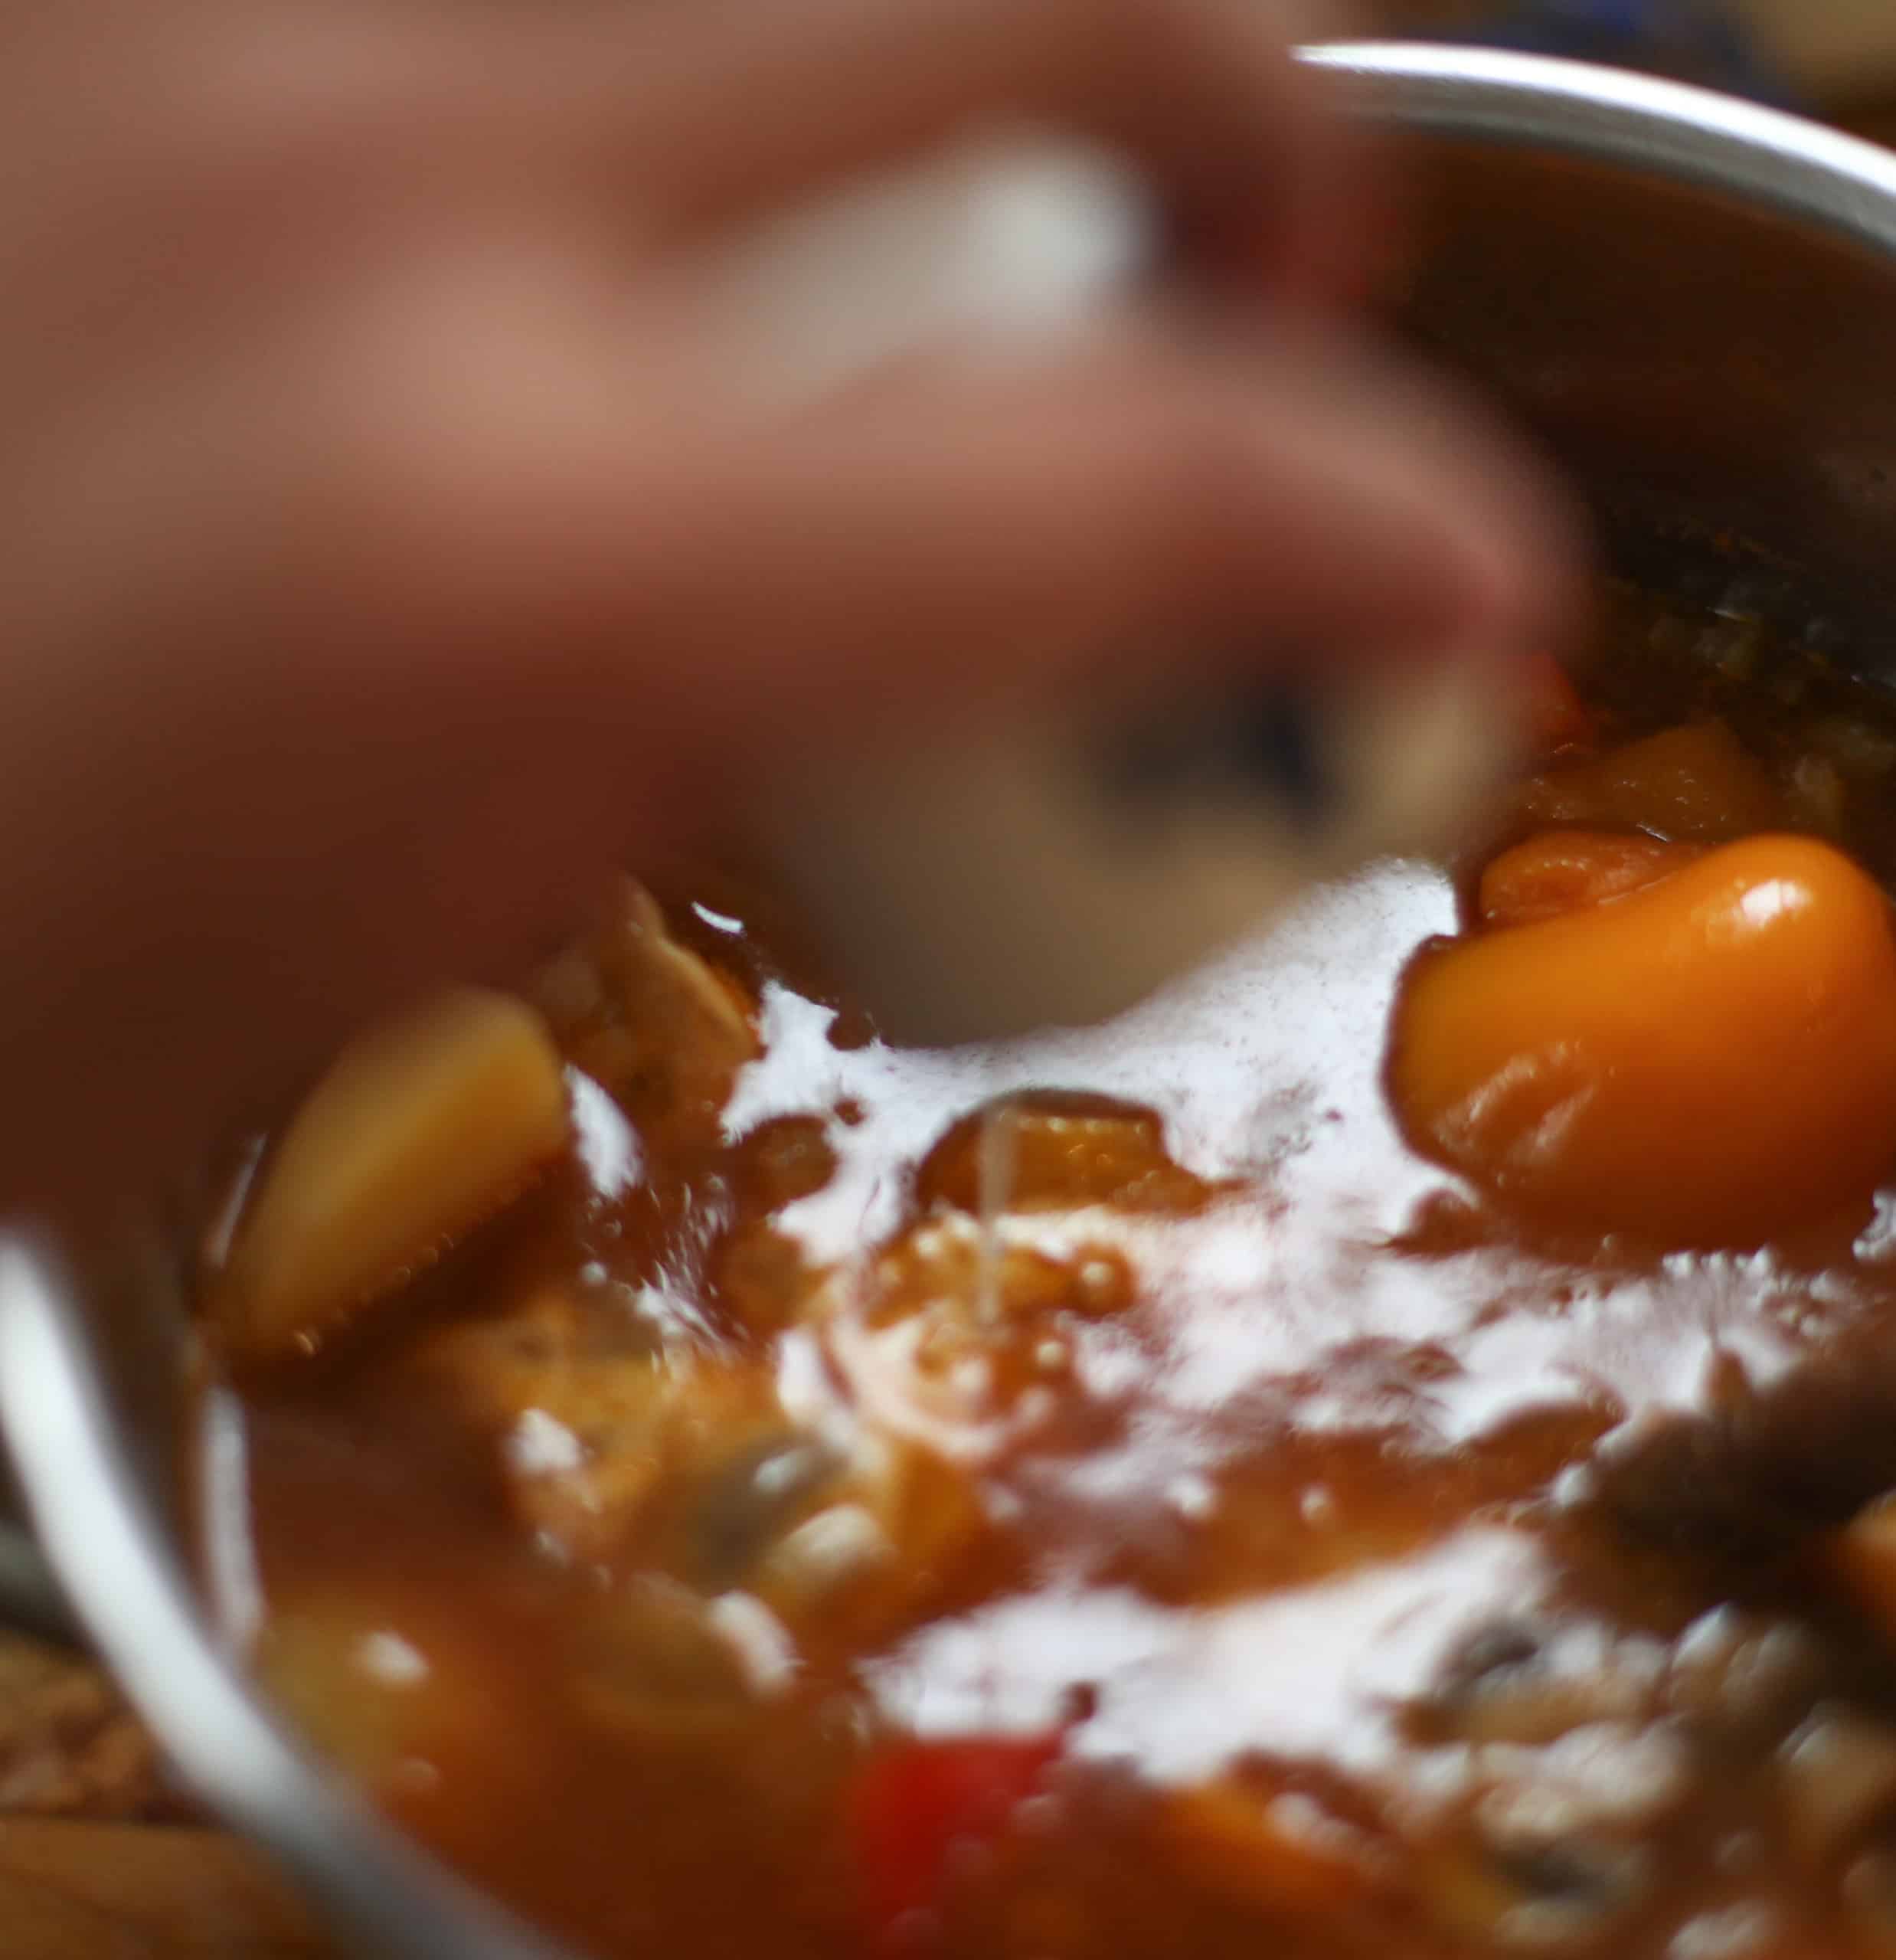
1710,1061
1567,871
1697,781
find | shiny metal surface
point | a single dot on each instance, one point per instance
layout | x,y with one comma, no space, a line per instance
1693,301
1778,162
121,1566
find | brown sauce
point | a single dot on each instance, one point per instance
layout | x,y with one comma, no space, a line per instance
1262,1539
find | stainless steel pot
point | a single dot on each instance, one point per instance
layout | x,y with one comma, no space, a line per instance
1692,301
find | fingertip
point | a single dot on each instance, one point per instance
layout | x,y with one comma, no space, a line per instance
1524,549
1336,226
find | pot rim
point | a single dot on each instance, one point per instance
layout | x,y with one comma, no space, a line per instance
1767,157
99,1531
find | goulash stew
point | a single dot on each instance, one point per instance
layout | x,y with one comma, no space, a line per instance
1389,1451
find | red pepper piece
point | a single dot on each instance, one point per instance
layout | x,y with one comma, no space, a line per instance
913,1804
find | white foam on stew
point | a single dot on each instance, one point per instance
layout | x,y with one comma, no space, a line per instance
603,1139
1233,1058
1322,1670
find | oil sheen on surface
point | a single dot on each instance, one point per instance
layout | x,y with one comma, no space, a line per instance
1264,1535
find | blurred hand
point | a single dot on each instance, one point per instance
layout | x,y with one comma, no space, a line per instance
382,558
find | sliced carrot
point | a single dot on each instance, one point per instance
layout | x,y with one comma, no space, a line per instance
1567,871
1696,781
